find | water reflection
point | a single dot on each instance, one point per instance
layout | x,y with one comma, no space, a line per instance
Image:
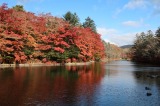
127,85
49,85
117,83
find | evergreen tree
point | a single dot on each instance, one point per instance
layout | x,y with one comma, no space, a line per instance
89,23
18,8
158,38
73,19
158,32
146,48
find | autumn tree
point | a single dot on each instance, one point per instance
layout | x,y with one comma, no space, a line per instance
90,44
112,51
26,37
11,37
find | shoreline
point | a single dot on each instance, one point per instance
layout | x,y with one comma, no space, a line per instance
44,64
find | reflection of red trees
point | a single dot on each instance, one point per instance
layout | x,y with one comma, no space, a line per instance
90,75
42,84
13,91
84,84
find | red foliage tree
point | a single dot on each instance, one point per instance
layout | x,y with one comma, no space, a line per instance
89,44
26,36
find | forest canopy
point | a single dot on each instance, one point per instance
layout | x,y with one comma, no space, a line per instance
146,47
26,37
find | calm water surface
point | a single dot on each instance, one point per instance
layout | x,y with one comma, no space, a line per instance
117,83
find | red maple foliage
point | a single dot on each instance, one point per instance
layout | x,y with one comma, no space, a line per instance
25,36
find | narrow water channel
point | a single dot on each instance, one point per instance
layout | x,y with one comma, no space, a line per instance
116,83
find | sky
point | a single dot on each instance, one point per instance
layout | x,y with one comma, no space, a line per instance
118,21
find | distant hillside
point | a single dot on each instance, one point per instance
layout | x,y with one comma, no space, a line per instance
126,46
126,51
112,51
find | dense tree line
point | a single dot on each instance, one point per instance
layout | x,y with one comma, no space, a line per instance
26,37
146,47
113,52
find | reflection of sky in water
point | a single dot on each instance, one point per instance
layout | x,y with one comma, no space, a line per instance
118,83
121,87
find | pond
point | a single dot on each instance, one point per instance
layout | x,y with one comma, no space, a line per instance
116,83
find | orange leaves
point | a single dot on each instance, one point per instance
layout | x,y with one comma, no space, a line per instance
17,57
26,34
65,44
89,43
58,49
61,30
20,57
7,49
43,47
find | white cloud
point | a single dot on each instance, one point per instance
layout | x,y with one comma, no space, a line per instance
131,23
138,23
127,38
114,37
106,31
135,4
123,39
106,34
108,41
154,5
